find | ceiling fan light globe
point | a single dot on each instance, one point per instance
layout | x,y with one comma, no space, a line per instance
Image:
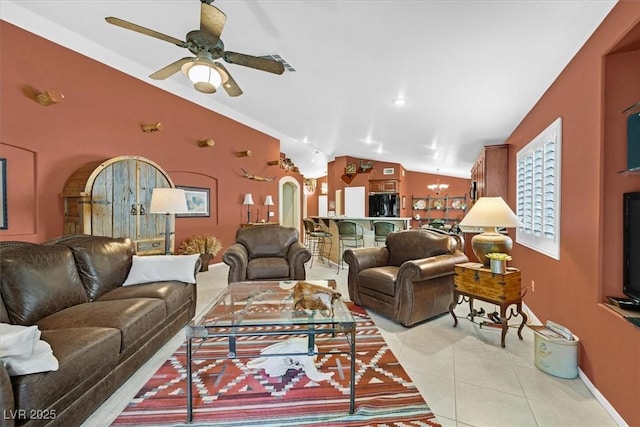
205,78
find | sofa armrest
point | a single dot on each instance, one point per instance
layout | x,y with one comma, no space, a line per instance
430,268
359,259
297,255
7,404
237,258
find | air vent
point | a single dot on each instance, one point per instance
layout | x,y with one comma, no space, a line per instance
279,58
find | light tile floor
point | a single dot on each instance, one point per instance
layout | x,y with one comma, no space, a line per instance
462,373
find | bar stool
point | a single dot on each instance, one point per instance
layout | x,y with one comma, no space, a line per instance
316,240
380,230
350,235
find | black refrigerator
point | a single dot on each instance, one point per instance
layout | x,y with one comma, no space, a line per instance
386,205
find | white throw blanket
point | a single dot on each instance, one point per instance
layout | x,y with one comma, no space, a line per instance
23,352
277,366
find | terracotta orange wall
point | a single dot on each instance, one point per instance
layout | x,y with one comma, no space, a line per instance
100,118
590,99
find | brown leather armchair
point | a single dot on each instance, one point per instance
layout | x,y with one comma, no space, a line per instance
408,280
266,252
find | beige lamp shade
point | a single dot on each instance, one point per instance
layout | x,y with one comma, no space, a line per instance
268,201
168,201
248,199
490,213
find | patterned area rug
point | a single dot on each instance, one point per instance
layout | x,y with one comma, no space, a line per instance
228,393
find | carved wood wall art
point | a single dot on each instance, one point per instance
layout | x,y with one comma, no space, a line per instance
206,143
285,163
154,127
50,97
257,178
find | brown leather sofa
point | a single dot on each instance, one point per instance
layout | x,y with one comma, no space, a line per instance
410,279
100,331
266,252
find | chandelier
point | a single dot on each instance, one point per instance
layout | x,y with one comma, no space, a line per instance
437,187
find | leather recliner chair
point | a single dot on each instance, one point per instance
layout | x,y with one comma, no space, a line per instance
266,252
410,279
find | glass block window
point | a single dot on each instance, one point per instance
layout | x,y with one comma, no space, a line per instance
538,191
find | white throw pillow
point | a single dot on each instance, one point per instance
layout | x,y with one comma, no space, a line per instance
160,268
17,340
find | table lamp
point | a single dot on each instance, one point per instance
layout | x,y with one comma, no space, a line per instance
268,201
248,200
490,213
168,201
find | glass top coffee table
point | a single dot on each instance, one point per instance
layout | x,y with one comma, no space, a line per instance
249,309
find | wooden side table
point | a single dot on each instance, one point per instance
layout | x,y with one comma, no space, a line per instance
475,281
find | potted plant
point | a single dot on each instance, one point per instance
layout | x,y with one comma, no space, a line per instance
498,262
204,244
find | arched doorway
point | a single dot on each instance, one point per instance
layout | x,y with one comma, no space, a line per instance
289,194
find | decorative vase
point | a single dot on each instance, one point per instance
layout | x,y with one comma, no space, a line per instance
205,258
498,266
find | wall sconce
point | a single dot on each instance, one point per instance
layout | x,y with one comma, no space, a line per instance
324,188
248,200
155,127
246,153
49,97
206,143
268,201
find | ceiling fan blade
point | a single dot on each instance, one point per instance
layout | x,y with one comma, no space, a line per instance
230,86
212,20
137,28
170,69
256,62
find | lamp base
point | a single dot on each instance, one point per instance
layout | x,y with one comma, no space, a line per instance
167,234
488,242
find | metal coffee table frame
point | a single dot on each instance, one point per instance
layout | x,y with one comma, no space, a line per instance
245,305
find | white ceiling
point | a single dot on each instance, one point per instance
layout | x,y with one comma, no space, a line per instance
469,69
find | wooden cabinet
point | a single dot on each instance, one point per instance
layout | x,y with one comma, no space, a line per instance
383,186
490,173
474,281
112,197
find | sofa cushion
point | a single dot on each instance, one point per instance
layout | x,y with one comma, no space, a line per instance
134,318
267,240
39,280
414,244
174,294
157,268
267,268
380,279
103,262
84,354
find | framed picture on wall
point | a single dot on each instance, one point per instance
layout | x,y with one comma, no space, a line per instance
3,194
197,202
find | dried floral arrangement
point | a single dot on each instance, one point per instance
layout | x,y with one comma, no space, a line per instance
200,244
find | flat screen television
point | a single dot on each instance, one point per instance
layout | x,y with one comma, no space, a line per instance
631,244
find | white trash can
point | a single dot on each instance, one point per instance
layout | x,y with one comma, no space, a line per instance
558,357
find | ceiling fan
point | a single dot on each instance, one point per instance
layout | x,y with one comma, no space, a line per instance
204,72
